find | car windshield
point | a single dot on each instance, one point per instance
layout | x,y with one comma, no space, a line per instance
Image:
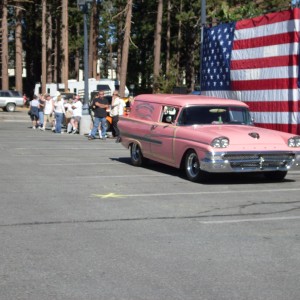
214,115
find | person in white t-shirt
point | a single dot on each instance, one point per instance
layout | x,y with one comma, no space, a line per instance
122,105
59,110
116,110
77,114
48,111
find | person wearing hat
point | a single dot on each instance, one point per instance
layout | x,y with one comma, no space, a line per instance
48,111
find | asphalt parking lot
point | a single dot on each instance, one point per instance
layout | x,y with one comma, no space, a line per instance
77,221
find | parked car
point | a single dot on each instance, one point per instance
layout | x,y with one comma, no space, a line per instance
205,135
10,99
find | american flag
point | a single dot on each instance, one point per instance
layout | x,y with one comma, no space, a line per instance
257,61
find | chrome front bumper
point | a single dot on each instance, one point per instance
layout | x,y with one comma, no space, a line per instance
238,162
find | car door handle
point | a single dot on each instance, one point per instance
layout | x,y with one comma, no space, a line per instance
153,127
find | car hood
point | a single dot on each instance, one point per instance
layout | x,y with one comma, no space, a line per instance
243,136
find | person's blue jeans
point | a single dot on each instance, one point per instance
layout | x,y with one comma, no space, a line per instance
98,121
41,118
58,120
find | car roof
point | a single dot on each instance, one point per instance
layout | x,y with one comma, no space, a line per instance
184,100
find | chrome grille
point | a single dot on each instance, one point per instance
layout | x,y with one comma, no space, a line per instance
259,161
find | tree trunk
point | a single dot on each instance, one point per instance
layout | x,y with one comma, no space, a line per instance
179,39
77,55
4,54
49,50
56,49
19,49
168,38
93,41
111,60
65,45
125,50
119,41
44,50
157,46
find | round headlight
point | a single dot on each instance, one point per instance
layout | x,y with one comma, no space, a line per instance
294,141
220,142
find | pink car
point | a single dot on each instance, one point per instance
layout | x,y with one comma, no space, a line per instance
205,135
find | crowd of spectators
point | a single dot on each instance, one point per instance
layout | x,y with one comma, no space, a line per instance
55,113
61,115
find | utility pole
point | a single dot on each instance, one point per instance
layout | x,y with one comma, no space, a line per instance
44,53
65,44
84,6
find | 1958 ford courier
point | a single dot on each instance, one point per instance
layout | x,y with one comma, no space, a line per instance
205,135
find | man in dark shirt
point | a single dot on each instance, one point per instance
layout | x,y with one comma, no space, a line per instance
99,105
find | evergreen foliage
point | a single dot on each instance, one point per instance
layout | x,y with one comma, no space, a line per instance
184,43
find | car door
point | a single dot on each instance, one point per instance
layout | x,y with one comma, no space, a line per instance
163,135
2,99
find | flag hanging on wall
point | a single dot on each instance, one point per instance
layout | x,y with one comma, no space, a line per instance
257,61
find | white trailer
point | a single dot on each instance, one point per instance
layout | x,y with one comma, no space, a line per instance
77,87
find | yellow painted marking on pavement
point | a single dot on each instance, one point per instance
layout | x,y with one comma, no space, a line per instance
110,195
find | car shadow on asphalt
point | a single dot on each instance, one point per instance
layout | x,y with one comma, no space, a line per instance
214,179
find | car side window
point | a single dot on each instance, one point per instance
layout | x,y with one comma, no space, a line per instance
4,94
182,120
169,114
199,115
193,115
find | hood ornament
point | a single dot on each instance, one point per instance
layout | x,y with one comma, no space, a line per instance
255,135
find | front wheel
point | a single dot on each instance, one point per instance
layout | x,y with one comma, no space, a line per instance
275,175
192,167
136,155
10,107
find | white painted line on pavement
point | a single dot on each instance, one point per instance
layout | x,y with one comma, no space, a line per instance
251,220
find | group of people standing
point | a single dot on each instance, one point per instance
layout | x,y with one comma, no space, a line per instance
99,107
44,109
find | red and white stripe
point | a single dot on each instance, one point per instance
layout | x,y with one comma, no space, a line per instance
265,69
